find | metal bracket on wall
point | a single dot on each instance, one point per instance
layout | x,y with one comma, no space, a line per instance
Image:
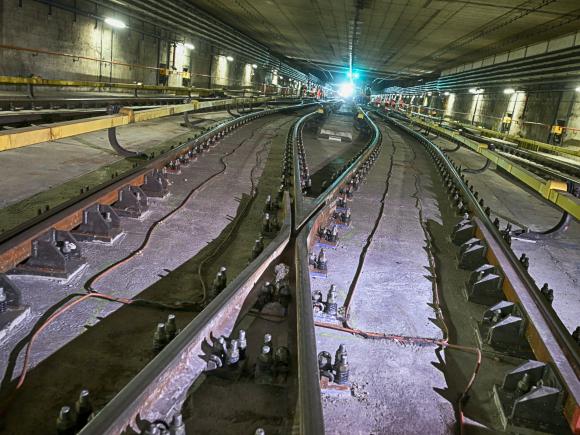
188,122
478,171
112,135
561,227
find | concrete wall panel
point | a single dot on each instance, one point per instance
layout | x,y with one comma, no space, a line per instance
82,48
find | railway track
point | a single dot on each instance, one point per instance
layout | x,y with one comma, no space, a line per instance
165,166
286,388
541,329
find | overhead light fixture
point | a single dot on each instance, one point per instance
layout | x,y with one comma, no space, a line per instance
429,94
189,46
578,89
346,90
472,91
229,58
254,66
446,93
113,22
509,91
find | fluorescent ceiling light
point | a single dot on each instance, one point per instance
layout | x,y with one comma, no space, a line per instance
473,91
509,91
113,22
229,58
446,94
254,66
189,46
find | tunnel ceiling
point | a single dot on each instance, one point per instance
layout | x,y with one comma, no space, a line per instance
395,39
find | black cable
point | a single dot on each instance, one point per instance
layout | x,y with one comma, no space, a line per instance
88,284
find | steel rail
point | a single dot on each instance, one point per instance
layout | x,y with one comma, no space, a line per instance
546,170
549,338
311,421
310,418
553,191
530,144
533,156
321,201
159,388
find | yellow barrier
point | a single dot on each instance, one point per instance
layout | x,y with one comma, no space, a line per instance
550,189
22,137
38,81
526,143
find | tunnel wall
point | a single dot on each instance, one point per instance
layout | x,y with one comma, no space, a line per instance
53,43
533,111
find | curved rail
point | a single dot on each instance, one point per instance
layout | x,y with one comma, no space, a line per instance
554,192
548,337
311,419
159,388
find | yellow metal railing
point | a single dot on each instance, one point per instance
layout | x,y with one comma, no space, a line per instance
39,81
522,141
554,191
22,137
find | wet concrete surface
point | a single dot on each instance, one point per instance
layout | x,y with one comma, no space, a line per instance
117,347
555,260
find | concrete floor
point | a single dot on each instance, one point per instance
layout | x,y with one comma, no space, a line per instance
398,387
390,382
552,260
201,220
38,178
393,385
